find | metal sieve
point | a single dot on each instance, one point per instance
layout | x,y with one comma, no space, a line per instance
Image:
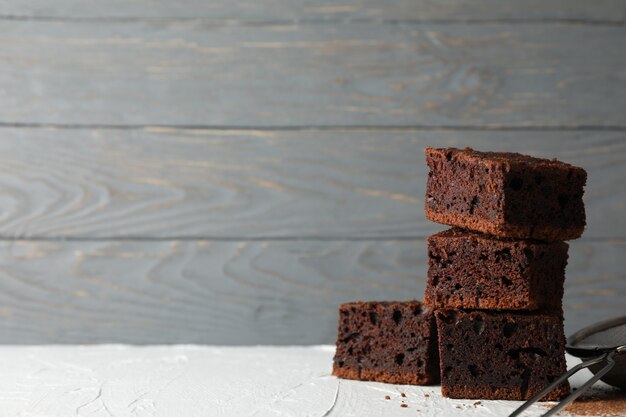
602,348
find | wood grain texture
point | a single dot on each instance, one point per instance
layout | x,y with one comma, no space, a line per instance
197,73
263,10
249,231
168,183
237,292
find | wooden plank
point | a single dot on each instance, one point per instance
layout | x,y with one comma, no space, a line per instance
168,183
195,73
237,292
263,10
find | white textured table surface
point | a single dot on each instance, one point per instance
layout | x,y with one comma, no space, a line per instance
190,381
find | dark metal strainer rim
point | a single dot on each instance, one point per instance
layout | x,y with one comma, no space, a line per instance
576,342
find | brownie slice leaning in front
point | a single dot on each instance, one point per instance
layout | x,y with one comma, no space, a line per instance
475,271
505,194
500,355
394,342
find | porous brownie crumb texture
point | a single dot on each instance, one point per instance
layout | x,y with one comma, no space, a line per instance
505,194
394,342
475,271
500,355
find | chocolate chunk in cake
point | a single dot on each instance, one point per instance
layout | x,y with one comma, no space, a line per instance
394,342
474,271
505,194
500,355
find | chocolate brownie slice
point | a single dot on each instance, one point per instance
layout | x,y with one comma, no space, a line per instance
505,194
394,342
474,271
500,355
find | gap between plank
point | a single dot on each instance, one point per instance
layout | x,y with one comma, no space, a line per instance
501,128
365,238
313,21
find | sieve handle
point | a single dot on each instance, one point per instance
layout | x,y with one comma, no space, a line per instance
608,357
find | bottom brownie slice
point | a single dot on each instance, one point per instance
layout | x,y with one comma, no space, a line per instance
500,355
394,342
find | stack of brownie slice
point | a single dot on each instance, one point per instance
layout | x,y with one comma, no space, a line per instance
496,278
491,325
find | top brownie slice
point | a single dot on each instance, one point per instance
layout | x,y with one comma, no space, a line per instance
505,194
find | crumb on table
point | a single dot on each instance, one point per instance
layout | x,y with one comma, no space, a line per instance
609,403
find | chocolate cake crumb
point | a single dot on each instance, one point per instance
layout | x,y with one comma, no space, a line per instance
403,405
403,395
477,403
607,403
387,397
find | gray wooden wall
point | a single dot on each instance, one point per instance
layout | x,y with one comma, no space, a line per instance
227,172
